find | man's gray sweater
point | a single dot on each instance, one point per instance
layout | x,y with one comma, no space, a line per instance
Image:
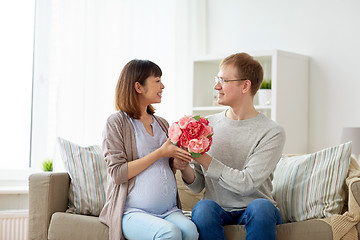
244,156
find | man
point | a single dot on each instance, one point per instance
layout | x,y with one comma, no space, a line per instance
238,169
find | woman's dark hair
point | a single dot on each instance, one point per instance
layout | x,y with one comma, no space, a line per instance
126,97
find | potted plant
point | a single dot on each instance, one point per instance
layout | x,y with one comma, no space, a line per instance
264,93
47,165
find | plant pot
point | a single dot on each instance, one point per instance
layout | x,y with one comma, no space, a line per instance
264,97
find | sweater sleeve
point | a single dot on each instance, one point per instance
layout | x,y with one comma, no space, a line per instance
199,182
114,150
259,166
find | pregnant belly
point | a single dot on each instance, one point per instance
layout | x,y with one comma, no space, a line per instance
154,190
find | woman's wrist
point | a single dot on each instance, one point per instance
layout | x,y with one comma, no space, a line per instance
188,175
159,153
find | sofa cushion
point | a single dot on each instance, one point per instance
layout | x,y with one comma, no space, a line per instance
76,227
312,185
87,171
310,230
79,227
188,199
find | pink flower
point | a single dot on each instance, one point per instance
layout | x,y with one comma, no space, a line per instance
198,145
207,131
174,133
192,133
183,122
193,129
184,140
204,121
208,148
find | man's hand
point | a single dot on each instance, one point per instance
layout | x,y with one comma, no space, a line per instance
187,172
180,164
204,160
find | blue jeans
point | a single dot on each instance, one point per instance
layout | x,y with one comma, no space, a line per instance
145,226
260,219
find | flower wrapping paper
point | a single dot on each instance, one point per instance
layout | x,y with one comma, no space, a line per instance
192,133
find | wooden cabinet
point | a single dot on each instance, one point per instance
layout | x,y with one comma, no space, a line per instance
289,93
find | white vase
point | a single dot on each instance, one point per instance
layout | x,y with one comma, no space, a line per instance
264,97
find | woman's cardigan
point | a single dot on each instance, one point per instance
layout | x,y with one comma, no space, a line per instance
119,147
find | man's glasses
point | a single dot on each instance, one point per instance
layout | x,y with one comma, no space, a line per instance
221,80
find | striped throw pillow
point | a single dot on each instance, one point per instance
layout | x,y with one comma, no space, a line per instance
87,170
312,185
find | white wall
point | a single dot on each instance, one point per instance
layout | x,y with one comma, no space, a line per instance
81,48
325,30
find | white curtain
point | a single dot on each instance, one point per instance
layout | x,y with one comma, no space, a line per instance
81,47
16,57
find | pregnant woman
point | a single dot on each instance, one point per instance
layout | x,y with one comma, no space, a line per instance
142,200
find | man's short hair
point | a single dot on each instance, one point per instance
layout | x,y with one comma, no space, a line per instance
247,67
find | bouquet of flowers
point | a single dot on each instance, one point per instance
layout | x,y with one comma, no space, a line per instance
192,133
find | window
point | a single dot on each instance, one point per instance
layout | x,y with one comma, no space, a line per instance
79,50
16,61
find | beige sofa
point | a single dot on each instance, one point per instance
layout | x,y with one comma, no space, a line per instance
48,196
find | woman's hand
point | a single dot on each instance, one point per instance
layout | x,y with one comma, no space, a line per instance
180,164
170,150
187,172
166,150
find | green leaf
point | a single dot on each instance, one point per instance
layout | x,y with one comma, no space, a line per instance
266,84
197,117
195,155
47,165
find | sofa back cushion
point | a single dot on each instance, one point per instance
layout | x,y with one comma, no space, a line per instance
188,199
87,170
312,185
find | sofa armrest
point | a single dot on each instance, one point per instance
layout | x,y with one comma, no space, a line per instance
48,193
355,188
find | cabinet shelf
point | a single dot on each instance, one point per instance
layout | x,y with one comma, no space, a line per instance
221,108
289,99
210,108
